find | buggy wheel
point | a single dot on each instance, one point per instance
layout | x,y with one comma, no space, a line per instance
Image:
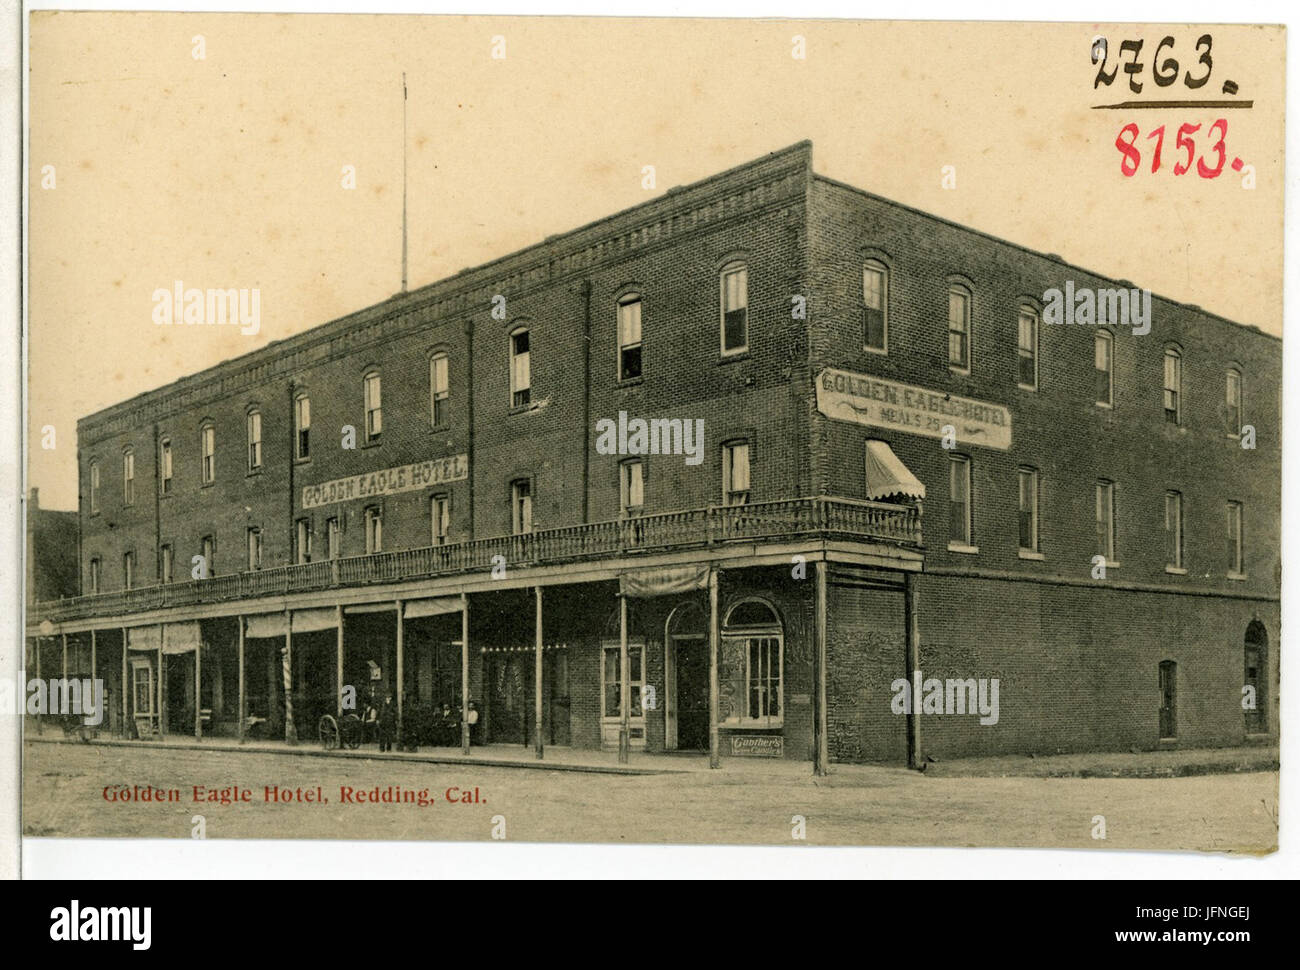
328,729
351,731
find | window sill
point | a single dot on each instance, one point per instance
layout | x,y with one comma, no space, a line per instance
1032,388
524,408
254,473
958,371
1104,406
630,382
208,484
1237,577
964,549
1175,571
302,461
880,351
1030,554
733,356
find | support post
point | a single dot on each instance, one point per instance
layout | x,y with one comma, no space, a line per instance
127,699
537,676
464,673
715,760
94,670
401,677
338,663
64,637
821,752
286,671
910,596
243,702
624,692
162,681
198,690
37,641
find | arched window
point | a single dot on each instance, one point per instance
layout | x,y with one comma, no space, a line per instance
1104,368
1173,386
439,390
629,337
1027,348
521,368
302,426
254,424
959,329
734,300
373,393
750,666
1232,401
208,449
128,476
1256,678
875,306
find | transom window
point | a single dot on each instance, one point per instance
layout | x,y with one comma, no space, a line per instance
629,337
735,308
875,303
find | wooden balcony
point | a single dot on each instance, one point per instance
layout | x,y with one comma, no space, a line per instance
878,523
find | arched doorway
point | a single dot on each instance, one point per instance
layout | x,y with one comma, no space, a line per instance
751,666
1256,677
686,670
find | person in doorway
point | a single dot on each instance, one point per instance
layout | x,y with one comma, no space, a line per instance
387,723
369,720
472,718
448,728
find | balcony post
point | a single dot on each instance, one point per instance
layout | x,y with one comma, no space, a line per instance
821,748
198,690
913,629
338,662
624,688
162,682
714,759
401,680
94,658
464,673
537,674
64,638
126,692
286,672
36,640
243,703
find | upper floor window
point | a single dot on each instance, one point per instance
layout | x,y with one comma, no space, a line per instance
128,570
631,487
254,423
439,390
629,337
94,487
735,473
1028,507
254,548
735,308
374,530
333,537
1173,530
440,518
1236,542
302,426
374,406
128,477
875,303
1232,401
521,369
1104,368
165,466
208,547
1105,514
1173,386
208,441
166,562
302,544
959,328
1027,349
960,533
95,570
521,506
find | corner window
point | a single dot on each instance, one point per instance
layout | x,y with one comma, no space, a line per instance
521,369
1027,349
959,328
735,473
959,502
208,441
302,426
735,309
374,530
374,407
1173,386
1174,530
128,477
439,390
1104,369
165,466
629,337
875,303
521,506
254,423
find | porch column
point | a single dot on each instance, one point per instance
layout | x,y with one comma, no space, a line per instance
821,753
286,672
537,674
41,684
624,693
94,670
239,648
401,681
64,638
910,596
126,692
714,759
464,673
198,691
338,662
162,680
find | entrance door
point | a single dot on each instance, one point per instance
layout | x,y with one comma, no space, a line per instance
1256,717
692,685
507,698
1168,699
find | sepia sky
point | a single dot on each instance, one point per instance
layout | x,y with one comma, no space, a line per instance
226,171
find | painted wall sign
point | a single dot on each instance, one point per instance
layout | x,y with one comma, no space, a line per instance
758,745
878,403
407,478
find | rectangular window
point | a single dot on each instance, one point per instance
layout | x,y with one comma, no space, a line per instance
128,570
302,551
958,329
764,679
439,390
1104,370
735,474
165,466
613,681
142,688
302,426
959,507
374,531
875,295
1236,544
209,547
165,564
254,548
521,506
440,517
1029,510
209,436
374,408
1105,511
128,478
521,370
735,310
632,487
1027,350
629,338
1232,395
254,440
94,575
1174,530
1173,386
333,537
94,487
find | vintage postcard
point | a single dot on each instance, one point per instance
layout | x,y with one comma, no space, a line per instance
635,430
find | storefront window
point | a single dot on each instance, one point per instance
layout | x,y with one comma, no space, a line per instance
749,667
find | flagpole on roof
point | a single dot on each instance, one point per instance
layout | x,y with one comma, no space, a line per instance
403,181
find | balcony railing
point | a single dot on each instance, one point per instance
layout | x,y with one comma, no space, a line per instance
852,519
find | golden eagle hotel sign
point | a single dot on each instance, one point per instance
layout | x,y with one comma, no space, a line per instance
916,410
407,478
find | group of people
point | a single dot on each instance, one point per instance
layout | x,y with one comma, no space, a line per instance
423,725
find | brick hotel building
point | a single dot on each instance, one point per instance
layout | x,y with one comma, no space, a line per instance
475,547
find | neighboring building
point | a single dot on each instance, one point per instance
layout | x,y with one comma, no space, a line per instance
825,337
51,552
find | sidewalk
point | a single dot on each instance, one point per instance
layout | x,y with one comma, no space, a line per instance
1116,764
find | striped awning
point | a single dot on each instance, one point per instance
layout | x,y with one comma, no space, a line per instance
887,476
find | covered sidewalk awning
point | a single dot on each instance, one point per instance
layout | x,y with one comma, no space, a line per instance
887,476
